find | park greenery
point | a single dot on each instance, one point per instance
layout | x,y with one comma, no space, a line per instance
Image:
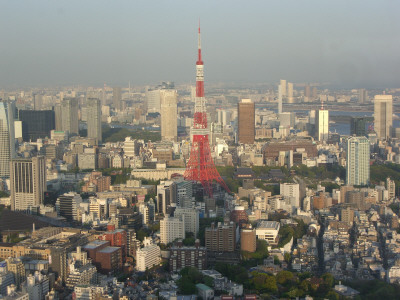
119,134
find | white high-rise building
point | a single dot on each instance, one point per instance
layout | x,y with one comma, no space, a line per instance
153,98
148,256
28,182
290,92
129,147
7,140
383,116
283,87
94,118
171,229
191,218
169,115
291,191
322,125
357,164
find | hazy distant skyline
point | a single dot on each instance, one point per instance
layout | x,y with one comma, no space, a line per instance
351,44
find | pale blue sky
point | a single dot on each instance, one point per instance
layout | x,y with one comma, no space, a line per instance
350,43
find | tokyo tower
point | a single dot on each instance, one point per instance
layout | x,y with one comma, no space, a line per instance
200,167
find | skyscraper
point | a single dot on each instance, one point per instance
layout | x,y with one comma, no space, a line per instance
69,115
169,112
94,118
357,165
117,98
362,96
28,182
290,92
358,126
383,116
246,120
322,124
280,99
283,87
307,92
7,143
36,123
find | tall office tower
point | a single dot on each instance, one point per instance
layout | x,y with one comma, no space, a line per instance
117,98
322,124
169,112
358,126
7,141
58,117
248,239
94,118
357,165
164,196
362,95
383,116
290,92
280,99
221,238
246,120
36,124
171,229
28,182
200,167
153,100
283,87
391,188
37,101
191,218
69,115
314,93
307,92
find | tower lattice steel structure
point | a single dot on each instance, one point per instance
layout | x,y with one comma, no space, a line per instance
200,167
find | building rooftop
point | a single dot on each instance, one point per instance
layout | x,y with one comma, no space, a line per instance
203,287
268,225
95,244
109,249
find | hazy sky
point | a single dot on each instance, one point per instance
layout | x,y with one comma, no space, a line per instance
350,43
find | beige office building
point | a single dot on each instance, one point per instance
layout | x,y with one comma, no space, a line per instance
28,182
169,112
94,119
246,121
383,116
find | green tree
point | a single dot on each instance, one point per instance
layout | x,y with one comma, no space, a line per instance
284,276
329,280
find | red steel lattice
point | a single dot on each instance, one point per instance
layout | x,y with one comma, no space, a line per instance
200,167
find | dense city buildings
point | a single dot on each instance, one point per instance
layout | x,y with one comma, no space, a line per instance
383,116
246,116
178,193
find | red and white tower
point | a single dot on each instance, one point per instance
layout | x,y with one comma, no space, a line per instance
200,167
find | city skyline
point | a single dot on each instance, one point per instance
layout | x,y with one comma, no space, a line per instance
82,43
